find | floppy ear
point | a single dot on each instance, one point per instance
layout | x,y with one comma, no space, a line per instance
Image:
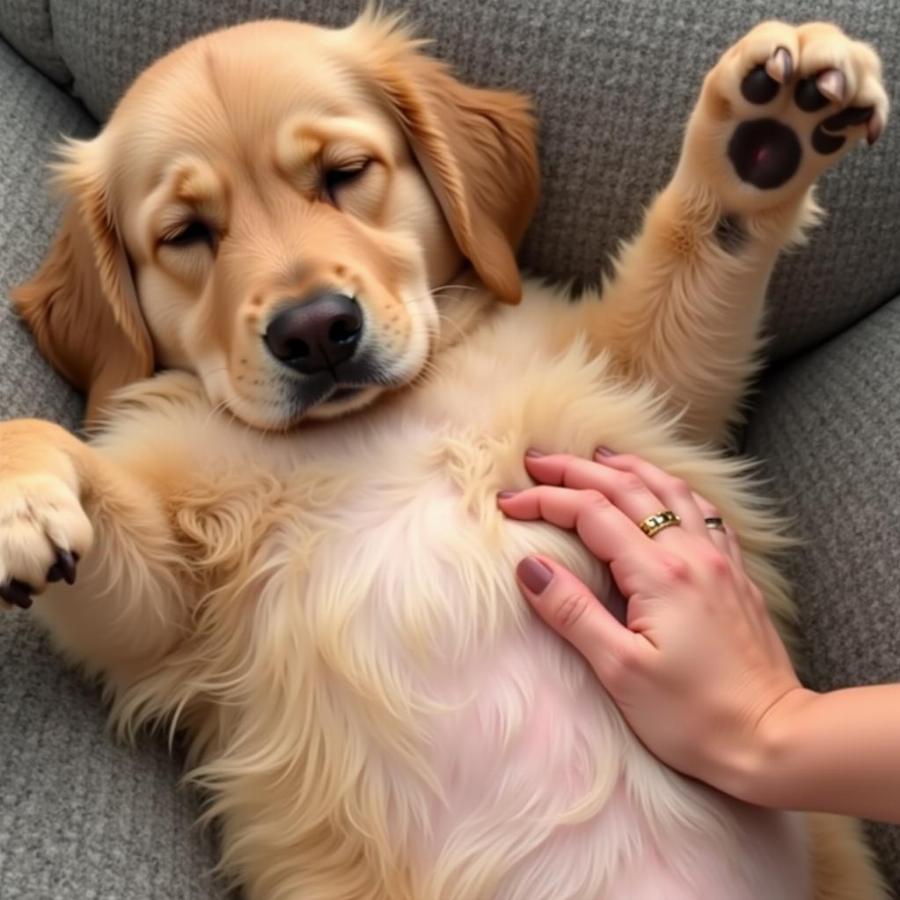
81,305
475,146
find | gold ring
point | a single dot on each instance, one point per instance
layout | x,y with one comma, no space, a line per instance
715,523
653,525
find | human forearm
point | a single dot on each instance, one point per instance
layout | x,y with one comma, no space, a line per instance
836,752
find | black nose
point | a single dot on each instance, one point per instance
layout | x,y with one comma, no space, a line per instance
316,334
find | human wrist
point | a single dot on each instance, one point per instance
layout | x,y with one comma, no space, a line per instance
764,771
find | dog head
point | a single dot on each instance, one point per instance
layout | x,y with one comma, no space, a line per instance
274,207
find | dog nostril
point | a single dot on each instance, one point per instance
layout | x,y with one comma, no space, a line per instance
316,334
344,330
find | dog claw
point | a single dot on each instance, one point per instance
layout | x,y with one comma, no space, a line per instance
874,127
16,592
832,84
65,567
780,65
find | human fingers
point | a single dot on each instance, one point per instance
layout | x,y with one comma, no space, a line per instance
572,610
627,490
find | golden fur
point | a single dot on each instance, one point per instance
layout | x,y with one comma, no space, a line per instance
328,612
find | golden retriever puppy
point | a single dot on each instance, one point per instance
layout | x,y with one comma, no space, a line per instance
287,542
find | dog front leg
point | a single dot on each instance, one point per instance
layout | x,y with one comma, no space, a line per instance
93,544
685,304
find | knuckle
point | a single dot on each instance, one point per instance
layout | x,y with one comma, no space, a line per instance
631,483
720,566
714,562
596,500
675,568
569,610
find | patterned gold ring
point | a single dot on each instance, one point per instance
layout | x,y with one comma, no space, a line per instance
653,525
715,523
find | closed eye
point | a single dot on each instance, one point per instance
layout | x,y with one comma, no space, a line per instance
189,234
335,179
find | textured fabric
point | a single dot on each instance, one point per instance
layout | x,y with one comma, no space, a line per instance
614,83
827,427
81,817
26,25
33,114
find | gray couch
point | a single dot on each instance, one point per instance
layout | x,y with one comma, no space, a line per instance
82,817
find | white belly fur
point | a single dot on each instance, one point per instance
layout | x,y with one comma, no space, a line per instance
386,642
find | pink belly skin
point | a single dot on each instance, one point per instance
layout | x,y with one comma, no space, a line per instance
536,738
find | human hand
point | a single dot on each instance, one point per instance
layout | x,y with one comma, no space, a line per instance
698,669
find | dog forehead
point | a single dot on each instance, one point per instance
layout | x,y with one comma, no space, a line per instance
232,90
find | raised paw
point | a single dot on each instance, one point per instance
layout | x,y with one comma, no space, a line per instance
43,534
781,106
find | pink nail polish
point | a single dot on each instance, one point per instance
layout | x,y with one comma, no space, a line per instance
534,574
604,451
505,495
534,454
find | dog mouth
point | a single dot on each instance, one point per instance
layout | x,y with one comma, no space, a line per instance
340,388
343,393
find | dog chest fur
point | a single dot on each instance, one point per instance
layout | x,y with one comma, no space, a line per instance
364,664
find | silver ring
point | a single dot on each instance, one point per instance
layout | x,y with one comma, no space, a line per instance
715,523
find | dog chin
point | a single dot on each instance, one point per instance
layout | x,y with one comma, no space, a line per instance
344,401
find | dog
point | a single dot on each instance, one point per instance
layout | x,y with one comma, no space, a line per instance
286,278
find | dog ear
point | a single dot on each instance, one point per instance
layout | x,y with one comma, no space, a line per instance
475,146
81,305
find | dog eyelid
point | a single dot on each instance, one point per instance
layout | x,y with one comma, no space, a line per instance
191,233
335,178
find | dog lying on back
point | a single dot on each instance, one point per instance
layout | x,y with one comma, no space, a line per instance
286,541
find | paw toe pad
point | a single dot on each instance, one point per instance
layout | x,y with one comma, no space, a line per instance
767,153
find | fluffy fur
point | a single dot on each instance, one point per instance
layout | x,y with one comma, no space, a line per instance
328,612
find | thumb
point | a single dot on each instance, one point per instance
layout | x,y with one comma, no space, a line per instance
571,609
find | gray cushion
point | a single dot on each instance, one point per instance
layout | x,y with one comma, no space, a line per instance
80,816
614,83
33,114
828,428
26,25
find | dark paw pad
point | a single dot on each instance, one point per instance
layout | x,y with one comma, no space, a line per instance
764,153
758,86
16,592
64,569
825,138
808,96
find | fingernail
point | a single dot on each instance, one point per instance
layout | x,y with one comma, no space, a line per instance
534,574
534,454
505,495
604,451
